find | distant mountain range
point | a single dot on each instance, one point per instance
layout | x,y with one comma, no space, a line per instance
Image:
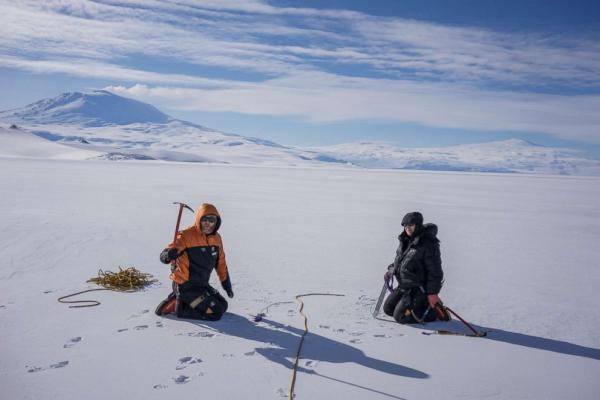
513,155
102,125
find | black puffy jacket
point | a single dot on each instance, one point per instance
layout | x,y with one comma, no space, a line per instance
418,261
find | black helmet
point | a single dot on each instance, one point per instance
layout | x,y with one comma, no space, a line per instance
414,217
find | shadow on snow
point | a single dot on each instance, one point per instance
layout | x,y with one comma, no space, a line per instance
281,344
520,339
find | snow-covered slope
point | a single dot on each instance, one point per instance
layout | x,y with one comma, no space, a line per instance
16,142
122,128
96,108
511,155
520,255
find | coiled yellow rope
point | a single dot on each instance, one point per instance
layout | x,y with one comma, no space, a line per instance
126,280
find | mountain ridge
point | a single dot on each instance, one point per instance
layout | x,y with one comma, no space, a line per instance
96,108
123,128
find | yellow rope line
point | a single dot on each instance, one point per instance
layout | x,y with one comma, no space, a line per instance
127,280
89,303
295,365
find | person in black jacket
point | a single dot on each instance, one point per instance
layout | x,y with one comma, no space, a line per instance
418,269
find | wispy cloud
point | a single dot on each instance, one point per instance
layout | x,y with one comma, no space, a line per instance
328,98
299,58
246,35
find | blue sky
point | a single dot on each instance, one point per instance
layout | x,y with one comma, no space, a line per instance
412,73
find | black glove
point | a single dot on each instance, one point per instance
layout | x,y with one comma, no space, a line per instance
168,255
226,284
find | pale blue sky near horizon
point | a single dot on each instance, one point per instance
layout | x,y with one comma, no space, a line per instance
308,73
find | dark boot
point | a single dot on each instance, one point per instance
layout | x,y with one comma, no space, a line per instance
167,306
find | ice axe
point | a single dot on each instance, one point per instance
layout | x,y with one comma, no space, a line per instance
181,207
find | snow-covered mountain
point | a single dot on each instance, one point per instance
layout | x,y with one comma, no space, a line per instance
98,108
117,128
513,155
121,128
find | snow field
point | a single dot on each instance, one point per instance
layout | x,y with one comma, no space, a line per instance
519,253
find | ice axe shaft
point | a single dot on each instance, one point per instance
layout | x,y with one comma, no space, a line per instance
181,207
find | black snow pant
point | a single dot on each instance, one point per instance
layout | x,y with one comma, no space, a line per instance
405,304
194,302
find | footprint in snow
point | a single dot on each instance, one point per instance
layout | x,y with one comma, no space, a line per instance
356,333
123,330
356,341
384,336
72,342
159,324
132,316
311,363
48,291
59,364
227,355
185,361
324,326
181,379
140,327
161,386
199,334
2,306
250,353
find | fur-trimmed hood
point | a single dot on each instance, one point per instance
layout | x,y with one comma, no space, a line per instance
207,209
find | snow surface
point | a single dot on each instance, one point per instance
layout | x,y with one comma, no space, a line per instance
15,142
520,254
122,128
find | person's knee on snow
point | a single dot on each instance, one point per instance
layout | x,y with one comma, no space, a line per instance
388,310
216,309
390,303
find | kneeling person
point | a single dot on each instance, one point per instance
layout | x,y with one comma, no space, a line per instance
418,269
196,251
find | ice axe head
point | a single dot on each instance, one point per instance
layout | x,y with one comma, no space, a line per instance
183,205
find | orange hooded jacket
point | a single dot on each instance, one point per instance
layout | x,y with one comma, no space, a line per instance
200,253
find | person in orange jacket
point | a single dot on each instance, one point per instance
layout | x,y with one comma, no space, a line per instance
196,251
